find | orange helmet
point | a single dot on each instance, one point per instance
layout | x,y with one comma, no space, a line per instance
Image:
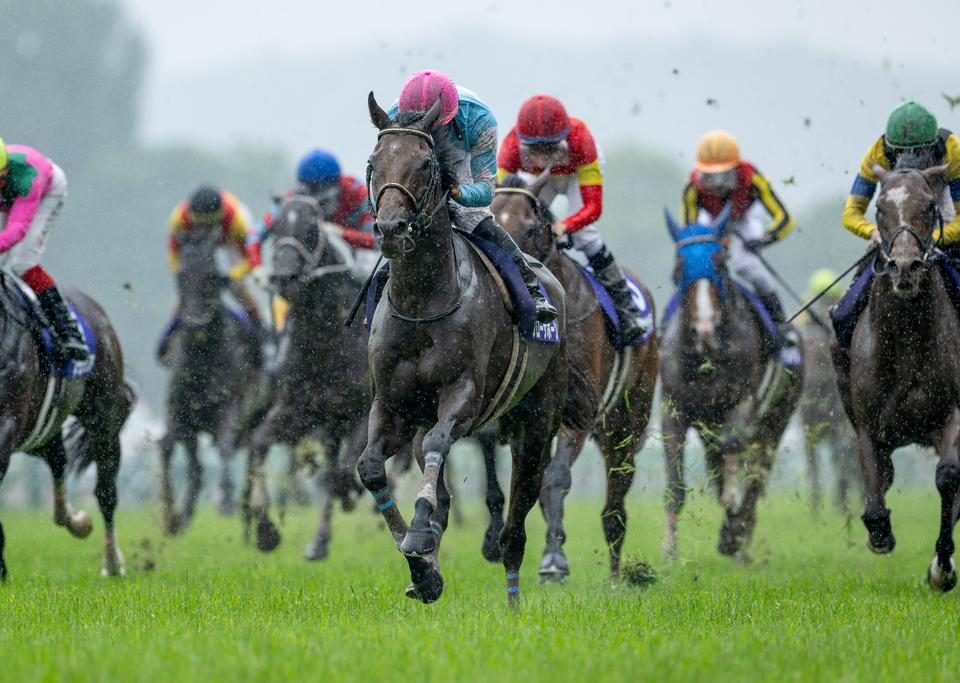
717,151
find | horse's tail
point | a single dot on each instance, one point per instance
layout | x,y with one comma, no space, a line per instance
580,408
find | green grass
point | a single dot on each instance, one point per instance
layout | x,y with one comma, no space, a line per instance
815,605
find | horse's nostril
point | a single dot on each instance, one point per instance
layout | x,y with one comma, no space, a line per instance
915,267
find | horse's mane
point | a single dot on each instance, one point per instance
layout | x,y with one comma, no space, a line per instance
516,182
442,146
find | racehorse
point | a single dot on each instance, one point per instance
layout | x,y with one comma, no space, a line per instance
628,374
719,379
445,355
35,401
322,380
824,419
900,380
214,377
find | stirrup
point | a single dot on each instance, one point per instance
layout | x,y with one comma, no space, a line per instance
546,312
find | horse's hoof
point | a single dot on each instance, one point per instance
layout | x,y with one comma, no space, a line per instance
427,591
317,550
268,536
554,568
419,543
491,546
728,543
881,545
940,580
80,524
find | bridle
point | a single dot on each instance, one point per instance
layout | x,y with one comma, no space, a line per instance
929,245
312,270
542,224
422,217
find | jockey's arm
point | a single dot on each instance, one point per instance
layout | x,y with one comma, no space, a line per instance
508,159
24,208
583,151
483,159
176,224
256,238
690,206
864,186
236,234
781,222
951,231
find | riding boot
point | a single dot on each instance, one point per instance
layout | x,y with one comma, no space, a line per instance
490,231
788,343
66,329
632,324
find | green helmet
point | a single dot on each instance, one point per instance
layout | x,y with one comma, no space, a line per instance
911,125
820,281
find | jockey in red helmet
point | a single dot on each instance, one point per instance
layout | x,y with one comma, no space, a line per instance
546,138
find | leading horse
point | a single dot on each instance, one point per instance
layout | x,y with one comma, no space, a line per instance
628,376
445,355
900,380
35,403
718,379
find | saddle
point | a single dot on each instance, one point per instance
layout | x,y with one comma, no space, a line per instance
605,301
41,329
517,299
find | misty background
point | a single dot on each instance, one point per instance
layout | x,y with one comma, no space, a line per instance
139,101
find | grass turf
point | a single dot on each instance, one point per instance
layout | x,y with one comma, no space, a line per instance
815,605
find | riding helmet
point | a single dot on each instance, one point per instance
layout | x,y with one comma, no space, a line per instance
542,119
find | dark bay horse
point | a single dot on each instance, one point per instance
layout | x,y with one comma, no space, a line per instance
34,406
900,382
214,377
626,377
445,356
718,380
824,419
322,381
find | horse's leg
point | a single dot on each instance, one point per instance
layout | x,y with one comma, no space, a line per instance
106,452
456,512
284,426
317,549
4,464
741,524
942,573
877,478
454,418
487,438
167,444
674,428
226,443
812,434
79,523
194,481
556,485
620,473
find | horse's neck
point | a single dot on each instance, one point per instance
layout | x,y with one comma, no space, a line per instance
902,323
428,272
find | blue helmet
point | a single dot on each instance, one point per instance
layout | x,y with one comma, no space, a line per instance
318,167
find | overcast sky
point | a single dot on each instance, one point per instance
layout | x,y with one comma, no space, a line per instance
190,35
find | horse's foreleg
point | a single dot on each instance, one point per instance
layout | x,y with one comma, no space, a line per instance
107,456
812,440
487,439
942,574
4,464
455,414
557,481
876,475
166,484
620,473
387,436
79,523
194,482
674,434
226,443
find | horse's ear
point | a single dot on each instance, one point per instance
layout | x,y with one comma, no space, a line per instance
880,172
720,223
429,120
672,227
934,174
377,115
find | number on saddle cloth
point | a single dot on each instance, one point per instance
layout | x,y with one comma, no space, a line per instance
610,310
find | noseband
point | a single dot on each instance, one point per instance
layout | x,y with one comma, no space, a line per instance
928,244
422,217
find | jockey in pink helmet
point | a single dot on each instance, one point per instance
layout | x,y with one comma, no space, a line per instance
472,132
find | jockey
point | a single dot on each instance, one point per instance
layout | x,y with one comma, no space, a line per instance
209,207
912,140
343,199
545,138
32,191
473,133
721,176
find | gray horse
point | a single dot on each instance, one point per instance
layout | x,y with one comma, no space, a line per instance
214,379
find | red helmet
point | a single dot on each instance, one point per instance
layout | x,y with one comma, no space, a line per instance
542,119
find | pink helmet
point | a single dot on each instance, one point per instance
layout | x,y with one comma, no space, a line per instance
424,88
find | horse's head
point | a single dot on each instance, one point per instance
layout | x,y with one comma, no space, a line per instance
700,275
908,217
406,178
299,243
199,281
521,213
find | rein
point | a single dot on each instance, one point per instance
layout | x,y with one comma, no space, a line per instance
312,270
422,217
543,225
